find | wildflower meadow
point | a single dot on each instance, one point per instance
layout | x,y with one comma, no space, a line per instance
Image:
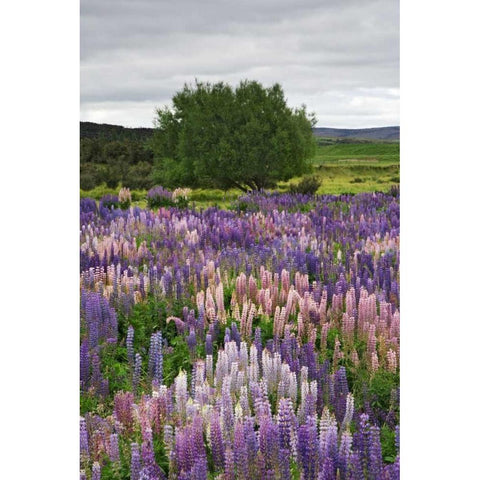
255,342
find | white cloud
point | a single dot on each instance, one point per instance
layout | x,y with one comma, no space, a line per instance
338,58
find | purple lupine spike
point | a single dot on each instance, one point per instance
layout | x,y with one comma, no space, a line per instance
158,370
84,450
229,465
240,451
268,439
199,470
354,469
216,442
341,392
284,464
286,423
250,439
168,437
392,472
83,476
328,469
259,466
136,371
152,355
235,334
113,451
96,471
84,366
197,436
227,406
258,341
361,440
308,450
344,453
104,388
226,337
331,444
375,462
150,469
208,344
96,378
129,342
397,439
135,462
192,341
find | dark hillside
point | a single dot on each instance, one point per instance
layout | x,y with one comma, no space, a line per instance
382,133
114,132
117,132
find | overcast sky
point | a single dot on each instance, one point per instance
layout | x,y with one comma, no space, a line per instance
339,57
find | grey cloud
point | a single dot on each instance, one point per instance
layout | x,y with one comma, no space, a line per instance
136,54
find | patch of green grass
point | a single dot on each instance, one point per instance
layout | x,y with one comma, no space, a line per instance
342,167
363,153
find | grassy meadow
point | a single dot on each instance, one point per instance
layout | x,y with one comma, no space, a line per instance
343,168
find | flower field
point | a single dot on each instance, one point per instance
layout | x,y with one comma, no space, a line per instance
260,342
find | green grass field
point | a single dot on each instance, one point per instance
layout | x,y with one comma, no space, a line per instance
342,167
366,153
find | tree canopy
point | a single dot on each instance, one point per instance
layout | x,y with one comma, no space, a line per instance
223,137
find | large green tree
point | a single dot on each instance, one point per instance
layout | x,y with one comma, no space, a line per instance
223,137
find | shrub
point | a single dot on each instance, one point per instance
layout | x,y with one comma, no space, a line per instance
124,198
88,205
357,180
159,197
109,202
308,185
180,196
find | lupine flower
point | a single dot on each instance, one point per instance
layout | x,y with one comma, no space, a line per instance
113,451
96,473
84,450
266,261
129,343
136,371
135,463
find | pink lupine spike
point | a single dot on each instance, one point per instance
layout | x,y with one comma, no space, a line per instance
250,318
337,353
374,362
372,340
391,361
323,307
220,303
354,357
323,337
252,289
300,326
350,302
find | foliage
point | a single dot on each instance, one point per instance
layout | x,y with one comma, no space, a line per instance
124,198
114,162
303,337
109,201
159,197
217,136
308,185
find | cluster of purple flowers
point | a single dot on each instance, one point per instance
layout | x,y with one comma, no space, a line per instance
284,307
159,197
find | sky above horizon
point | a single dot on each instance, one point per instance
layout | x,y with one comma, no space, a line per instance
340,59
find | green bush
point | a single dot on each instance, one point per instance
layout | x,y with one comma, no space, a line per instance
308,185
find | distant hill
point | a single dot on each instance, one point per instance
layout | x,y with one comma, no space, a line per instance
381,133
114,132
117,132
